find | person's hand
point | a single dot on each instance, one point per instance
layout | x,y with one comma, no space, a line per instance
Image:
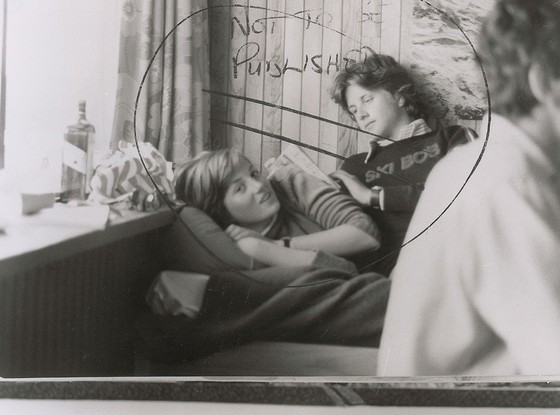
249,241
356,188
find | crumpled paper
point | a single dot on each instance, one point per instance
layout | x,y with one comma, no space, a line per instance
121,179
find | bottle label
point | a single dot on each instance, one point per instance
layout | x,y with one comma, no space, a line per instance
74,157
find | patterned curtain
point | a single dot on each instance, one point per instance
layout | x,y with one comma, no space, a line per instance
173,112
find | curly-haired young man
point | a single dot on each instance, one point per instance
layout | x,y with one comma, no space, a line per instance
380,96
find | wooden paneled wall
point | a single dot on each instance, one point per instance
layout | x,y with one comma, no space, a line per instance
273,63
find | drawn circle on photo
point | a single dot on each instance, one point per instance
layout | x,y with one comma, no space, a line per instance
282,14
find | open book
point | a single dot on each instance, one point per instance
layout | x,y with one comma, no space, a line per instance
294,156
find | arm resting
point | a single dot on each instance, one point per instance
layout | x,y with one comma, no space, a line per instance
270,253
341,240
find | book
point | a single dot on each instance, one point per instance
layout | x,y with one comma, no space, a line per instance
92,217
293,156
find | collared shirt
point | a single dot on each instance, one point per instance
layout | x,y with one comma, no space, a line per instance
416,127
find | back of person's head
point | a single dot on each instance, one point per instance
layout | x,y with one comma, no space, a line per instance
378,72
203,182
516,35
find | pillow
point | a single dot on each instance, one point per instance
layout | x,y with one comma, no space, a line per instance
177,292
196,243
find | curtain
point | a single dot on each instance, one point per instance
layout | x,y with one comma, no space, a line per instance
172,111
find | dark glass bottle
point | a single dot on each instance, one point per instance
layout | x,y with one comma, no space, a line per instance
77,158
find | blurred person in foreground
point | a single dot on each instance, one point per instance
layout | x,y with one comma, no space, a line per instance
478,293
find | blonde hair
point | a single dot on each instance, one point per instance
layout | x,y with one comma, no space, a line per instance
203,182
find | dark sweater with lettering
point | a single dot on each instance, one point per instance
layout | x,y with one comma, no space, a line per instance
401,169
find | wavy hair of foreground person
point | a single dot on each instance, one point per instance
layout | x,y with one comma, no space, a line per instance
378,72
517,35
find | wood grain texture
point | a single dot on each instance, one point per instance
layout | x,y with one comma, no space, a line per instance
391,13
293,64
239,48
254,81
371,20
332,60
272,117
311,80
351,47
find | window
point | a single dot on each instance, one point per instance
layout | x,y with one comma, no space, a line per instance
58,52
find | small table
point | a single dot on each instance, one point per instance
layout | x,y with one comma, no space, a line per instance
69,295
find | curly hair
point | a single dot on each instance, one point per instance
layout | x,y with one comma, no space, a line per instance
514,36
203,182
378,71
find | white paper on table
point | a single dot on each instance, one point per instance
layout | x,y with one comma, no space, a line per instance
86,216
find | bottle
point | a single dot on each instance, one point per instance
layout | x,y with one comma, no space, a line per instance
77,158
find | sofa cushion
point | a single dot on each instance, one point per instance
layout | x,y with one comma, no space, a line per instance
196,243
272,359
